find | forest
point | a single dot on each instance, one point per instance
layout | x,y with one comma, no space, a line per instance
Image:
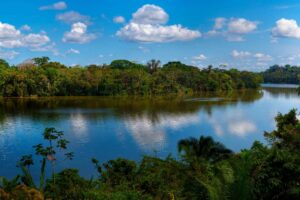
282,74
42,77
204,169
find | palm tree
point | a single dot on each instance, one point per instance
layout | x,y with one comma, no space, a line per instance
203,167
205,148
153,65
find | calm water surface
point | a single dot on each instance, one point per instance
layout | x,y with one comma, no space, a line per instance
108,128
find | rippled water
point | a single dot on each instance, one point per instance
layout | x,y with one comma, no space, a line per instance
107,128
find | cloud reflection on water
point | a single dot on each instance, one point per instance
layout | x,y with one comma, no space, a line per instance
235,123
79,127
151,134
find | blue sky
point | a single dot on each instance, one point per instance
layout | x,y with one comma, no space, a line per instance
244,34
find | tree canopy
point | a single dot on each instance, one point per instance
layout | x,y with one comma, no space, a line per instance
282,74
42,77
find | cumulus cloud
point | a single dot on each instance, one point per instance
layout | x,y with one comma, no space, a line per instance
240,54
8,54
73,17
119,20
250,58
241,26
150,14
233,29
287,28
156,33
10,37
261,57
147,25
78,34
200,57
56,6
35,40
26,28
220,22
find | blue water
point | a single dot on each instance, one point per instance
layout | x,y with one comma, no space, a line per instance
108,128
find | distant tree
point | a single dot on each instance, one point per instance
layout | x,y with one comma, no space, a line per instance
124,64
209,68
153,65
41,61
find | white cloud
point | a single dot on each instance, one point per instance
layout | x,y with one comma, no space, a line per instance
78,34
10,37
150,14
200,57
73,51
73,17
213,33
233,29
220,22
241,26
288,28
119,20
147,26
35,40
56,6
240,54
8,54
156,33
26,28
250,59
263,57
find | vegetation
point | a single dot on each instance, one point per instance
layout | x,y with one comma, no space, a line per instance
41,77
205,170
282,74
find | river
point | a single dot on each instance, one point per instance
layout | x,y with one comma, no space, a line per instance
130,127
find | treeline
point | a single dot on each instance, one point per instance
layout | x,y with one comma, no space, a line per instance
41,77
282,74
205,170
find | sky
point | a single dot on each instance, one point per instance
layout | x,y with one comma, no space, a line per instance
244,34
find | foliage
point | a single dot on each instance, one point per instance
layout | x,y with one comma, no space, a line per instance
48,154
41,77
21,192
282,74
204,148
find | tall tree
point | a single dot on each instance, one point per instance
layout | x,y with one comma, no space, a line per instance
153,65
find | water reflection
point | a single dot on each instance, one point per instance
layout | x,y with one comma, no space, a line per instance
151,134
79,127
236,123
110,127
54,109
288,93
